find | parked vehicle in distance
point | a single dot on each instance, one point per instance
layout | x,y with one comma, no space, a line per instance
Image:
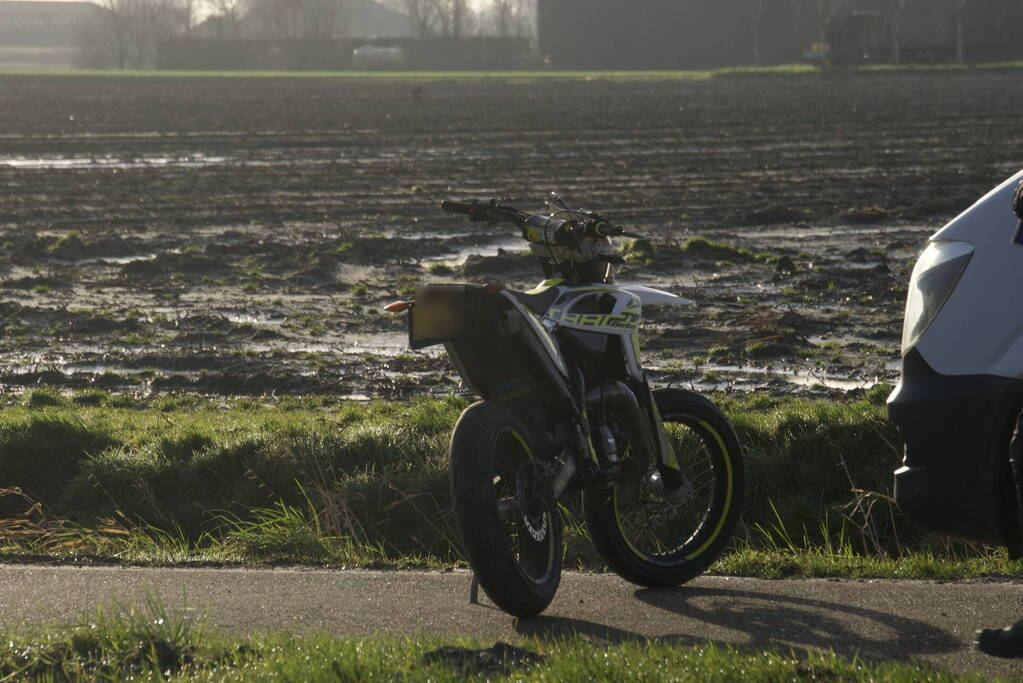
961,392
378,56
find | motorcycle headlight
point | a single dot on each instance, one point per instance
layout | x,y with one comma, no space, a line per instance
934,277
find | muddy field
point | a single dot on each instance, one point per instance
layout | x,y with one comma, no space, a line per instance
240,235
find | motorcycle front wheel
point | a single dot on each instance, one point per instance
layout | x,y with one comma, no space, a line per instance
511,535
650,541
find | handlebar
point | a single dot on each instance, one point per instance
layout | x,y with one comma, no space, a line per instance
455,207
478,211
540,228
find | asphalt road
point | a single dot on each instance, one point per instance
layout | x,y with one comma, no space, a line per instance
877,619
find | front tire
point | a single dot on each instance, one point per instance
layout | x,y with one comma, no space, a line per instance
512,538
651,542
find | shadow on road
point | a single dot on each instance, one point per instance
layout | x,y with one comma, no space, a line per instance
553,627
757,621
769,620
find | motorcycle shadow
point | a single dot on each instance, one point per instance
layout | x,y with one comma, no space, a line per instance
762,620
756,621
551,627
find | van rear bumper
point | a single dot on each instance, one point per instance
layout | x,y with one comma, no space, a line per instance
956,477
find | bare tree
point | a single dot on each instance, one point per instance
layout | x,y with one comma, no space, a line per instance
895,10
288,19
422,16
118,17
507,18
227,14
822,11
503,15
754,13
321,18
163,19
125,34
958,8
453,17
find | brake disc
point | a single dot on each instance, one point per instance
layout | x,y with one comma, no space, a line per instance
531,504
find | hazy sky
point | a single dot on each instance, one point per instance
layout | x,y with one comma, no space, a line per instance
476,4
202,8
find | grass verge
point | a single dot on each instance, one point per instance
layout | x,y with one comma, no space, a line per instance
149,643
319,481
531,75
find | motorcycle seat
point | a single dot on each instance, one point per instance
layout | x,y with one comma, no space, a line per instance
538,303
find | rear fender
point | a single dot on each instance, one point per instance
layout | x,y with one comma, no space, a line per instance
500,349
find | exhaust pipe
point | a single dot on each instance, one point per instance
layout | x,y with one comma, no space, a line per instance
619,398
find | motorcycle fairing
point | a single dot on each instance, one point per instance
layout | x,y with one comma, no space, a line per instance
600,312
649,296
614,310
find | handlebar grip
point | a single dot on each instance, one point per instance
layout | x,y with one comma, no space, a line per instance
456,207
478,212
602,228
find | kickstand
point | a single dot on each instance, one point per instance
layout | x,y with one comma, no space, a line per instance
474,590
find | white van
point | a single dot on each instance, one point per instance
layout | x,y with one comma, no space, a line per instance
961,390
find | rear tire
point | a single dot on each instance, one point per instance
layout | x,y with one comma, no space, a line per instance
513,544
651,542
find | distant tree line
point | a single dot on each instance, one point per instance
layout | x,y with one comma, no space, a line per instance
454,18
126,33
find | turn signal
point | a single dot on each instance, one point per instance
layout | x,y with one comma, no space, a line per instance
397,306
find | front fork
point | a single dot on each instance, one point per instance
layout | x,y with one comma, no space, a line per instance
667,459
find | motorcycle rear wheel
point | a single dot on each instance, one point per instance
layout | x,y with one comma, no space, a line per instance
511,537
651,542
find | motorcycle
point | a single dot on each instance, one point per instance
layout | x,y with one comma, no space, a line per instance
567,407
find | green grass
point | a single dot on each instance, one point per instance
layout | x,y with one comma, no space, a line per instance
726,252
528,75
321,481
649,75
149,642
823,561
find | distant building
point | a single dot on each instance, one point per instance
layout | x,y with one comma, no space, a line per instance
681,34
42,35
667,34
926,30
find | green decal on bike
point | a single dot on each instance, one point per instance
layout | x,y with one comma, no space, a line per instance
522,442
728,492
669,456
544,286
618,521
625,320
635,344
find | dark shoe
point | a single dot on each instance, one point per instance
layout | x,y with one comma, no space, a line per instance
1002,642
